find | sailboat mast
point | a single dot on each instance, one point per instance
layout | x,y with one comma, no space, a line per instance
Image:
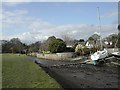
100,27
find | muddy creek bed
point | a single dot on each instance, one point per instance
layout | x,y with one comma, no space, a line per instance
77,75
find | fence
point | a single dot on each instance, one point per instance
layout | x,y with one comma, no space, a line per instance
111,50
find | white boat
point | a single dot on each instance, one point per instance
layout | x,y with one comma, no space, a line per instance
99,55
116,54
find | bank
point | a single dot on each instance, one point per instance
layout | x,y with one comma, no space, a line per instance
20,72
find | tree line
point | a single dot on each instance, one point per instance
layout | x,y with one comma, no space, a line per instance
52,44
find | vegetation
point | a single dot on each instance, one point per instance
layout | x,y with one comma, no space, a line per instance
56,45
13,46
112,40
70,49
83,50
20,72
81,40
95,39
118,43
79,49
34,47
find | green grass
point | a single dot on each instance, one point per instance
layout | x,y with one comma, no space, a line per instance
19,72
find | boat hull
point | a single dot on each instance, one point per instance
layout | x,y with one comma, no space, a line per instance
116,54
99,55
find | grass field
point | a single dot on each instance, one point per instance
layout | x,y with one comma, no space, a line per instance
19,72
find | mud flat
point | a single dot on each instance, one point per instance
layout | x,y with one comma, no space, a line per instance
77,75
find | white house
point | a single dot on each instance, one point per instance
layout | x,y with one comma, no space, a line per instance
89,44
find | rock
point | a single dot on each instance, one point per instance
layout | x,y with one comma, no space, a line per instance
74,76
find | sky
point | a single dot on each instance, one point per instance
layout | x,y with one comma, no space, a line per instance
36,21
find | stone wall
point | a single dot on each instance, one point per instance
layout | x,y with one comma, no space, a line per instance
34,54
57,56
111,50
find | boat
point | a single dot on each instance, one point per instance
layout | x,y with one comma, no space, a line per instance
116,54
101,54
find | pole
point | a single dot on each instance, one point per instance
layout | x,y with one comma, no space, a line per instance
100,27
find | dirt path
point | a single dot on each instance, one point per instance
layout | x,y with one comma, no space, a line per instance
76,75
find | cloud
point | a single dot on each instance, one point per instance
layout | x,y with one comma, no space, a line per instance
38,24
11,3
74,31
39,30
15,17
110,14
30,37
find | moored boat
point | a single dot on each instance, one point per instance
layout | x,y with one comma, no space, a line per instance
116,54
99,55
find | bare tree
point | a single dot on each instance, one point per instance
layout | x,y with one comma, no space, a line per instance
66,37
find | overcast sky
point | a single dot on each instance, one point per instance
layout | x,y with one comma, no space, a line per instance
36,21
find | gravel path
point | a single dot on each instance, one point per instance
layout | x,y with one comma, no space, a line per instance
77,75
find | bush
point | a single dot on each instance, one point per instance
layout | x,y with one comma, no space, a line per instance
57,45
86,51
94,49
69,49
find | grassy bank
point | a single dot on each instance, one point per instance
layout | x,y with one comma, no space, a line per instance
19,72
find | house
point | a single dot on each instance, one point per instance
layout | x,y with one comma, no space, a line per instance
70,44
89,44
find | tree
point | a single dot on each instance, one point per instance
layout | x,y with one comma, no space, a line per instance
119,27
91,39
50,39
118,40
34,47
43,46
13,46
81,40
6,47
118,43
112,40
56,45
66,37
94,40
79,49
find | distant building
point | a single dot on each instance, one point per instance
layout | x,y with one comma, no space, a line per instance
70,44
89,44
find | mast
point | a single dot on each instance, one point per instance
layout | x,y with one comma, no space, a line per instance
100,27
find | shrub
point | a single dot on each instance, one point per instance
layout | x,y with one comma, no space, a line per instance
57,45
